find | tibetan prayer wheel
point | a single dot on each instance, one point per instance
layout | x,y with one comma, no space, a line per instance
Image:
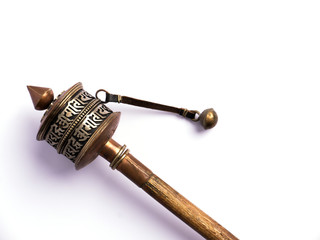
80,126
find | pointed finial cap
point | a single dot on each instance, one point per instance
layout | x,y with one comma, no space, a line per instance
41,97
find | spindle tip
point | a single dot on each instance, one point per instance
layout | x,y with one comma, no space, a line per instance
41,97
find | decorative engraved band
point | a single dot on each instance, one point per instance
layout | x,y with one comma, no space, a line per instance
66,117
75,122
84,131
91,141
78,119
54,109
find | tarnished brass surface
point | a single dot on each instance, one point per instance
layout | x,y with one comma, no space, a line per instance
54,109
208,118
131,167
80,127
77,124
41,97
119,157
98,139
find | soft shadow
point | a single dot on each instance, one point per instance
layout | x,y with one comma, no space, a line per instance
168,221
46,159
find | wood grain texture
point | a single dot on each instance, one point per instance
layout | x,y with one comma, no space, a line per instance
143,177
185,210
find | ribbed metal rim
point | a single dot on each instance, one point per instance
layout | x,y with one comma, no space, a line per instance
55,108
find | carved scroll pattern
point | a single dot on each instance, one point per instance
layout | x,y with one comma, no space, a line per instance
67,116
84,131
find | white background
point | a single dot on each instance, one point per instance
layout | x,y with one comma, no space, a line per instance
256,62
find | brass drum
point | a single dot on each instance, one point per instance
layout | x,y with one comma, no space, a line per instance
78,125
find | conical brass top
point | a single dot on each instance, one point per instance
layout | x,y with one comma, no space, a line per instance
41,97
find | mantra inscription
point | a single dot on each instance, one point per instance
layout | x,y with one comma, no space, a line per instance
76,123
84,131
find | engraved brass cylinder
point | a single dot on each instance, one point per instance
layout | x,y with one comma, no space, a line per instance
78,125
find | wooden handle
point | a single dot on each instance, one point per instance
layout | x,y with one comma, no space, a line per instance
165,195
185,210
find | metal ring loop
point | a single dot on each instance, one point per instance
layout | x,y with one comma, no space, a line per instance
106,92
185,112
195,112
119,157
